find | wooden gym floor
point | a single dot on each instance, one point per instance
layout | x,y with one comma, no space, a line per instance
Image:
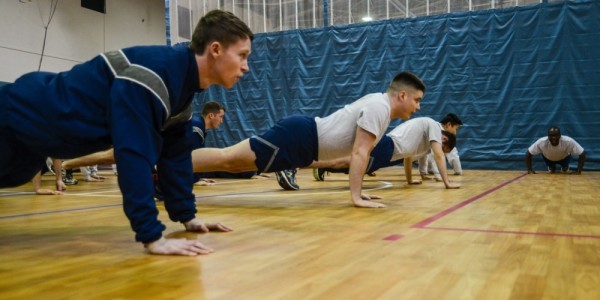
502,235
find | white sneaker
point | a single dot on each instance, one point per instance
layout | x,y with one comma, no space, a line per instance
50,165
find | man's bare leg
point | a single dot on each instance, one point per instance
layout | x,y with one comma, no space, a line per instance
106,157
339,163
235,159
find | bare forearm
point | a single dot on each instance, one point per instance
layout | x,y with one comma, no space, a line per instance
422,164
581,162
408,169
440,162
528,161
358,165
37,181
57,164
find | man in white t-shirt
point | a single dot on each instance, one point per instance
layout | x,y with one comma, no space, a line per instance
299,141
412,139
451,123
556,149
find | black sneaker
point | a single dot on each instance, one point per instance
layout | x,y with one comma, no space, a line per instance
319,174
287,179
67,177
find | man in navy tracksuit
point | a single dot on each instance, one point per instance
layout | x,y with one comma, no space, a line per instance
139,101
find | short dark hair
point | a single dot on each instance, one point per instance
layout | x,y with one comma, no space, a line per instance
212,107
452,119
403,79
554,129
220,26
451,139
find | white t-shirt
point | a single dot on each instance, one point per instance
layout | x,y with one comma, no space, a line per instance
413,138
566,146
337,131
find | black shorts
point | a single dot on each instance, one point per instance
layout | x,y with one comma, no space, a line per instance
291,143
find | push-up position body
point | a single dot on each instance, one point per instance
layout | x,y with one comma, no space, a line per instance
138,100
299,141
410,140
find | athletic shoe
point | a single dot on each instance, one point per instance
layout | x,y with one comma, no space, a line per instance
50,165
67,177
287,179
158,194
319,174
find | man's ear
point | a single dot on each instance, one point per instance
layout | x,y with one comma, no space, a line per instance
400,95
215,48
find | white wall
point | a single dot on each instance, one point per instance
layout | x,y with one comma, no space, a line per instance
75,34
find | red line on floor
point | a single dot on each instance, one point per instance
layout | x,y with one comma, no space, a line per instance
393,237
548,234
454,208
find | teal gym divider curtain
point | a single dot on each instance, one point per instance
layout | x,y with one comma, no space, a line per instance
509,74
